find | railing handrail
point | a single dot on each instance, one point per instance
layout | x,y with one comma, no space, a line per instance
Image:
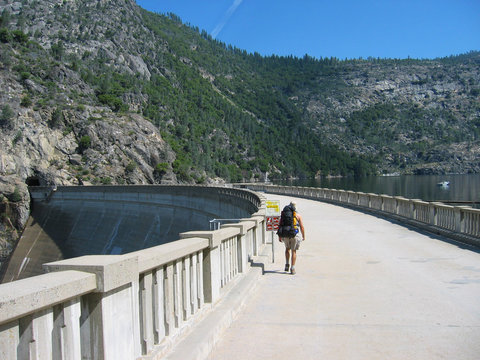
27,296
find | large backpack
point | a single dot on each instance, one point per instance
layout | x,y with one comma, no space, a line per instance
288,223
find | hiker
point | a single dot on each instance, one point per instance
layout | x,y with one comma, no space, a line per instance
290,222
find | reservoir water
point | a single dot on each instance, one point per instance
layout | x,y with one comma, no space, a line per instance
461,188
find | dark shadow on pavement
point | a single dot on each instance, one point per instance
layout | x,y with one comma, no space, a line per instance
259,264
280,272
262,266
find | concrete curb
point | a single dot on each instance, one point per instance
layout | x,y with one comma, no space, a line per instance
198,344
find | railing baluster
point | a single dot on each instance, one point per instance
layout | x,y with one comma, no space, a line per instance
159,296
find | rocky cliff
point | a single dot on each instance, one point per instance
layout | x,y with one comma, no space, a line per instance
411,116
47,138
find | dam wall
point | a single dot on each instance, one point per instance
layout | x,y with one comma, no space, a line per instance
73,221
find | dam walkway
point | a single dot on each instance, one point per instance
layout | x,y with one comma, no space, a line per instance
365,288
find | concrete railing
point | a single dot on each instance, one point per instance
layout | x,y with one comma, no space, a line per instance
461,223
126,306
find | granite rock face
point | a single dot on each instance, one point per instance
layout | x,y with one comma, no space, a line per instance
15,210
92,146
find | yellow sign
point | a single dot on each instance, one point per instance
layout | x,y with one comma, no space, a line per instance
273,208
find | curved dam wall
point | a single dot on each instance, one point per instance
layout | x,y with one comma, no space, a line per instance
100,220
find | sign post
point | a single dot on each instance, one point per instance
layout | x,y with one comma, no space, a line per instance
272,220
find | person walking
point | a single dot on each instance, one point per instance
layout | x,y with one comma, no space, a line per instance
288,233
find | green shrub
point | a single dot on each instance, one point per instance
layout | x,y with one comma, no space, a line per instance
58,50
161,168
200,179
5,35
85,143
19,36
16,196
106,180
26,101
18,136
6,116
131,166
57,118
24,75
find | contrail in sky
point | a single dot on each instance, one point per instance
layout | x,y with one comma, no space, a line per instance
226,17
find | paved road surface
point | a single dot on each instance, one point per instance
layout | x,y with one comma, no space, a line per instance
365,288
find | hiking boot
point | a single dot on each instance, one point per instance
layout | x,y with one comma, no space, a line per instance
292,271
287,266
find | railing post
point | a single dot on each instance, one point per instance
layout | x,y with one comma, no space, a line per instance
158,296
146,311
243,228
360,198
212,278
9,340
34,339
187,306
432,209
66,318
169,300
460,218
115,302
211,273
260,228
398,201
413,209
177,299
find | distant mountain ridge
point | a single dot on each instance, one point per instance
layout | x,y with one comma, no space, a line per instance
104,92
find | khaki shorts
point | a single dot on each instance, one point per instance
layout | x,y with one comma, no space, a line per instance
293,243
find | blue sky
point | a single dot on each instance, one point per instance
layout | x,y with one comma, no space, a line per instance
335,28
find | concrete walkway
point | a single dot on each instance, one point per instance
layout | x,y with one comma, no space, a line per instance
365,288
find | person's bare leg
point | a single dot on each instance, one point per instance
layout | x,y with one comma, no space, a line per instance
287,259
294,259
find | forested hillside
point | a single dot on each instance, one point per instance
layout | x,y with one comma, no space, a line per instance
226,113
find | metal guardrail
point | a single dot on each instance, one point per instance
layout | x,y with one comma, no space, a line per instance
215,224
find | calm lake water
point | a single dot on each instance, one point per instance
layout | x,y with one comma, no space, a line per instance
424,187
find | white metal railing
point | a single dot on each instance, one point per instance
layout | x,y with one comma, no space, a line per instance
461,222
126,306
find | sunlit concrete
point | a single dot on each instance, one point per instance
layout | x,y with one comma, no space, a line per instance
365,288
